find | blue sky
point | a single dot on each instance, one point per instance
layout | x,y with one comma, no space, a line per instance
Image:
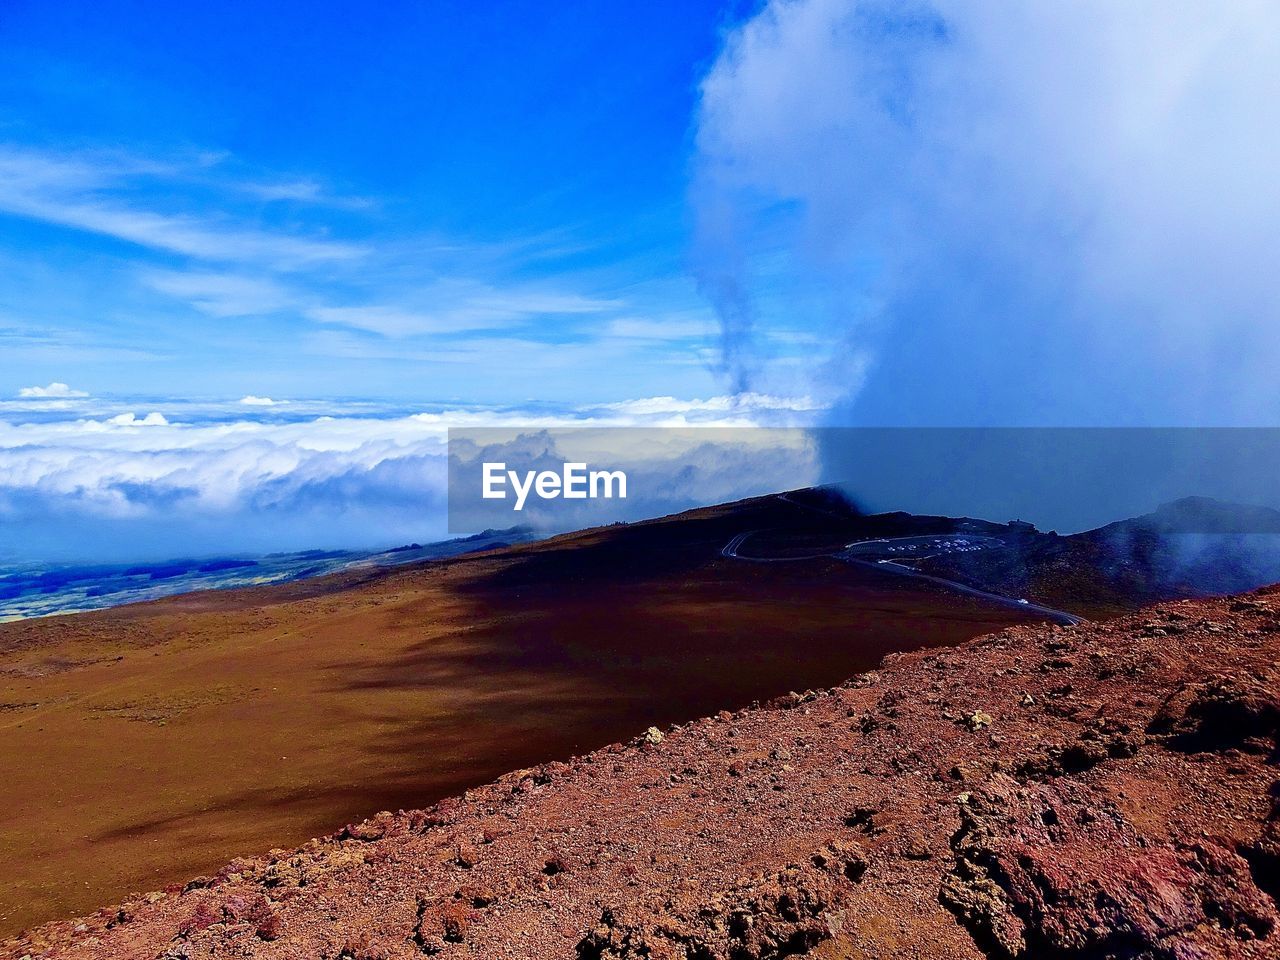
428,201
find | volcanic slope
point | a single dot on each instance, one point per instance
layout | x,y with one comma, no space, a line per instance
1101,791
1193,547
144,744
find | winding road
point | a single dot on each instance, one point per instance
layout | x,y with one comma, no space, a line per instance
872,554
1057,616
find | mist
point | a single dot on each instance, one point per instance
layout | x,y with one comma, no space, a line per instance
999,213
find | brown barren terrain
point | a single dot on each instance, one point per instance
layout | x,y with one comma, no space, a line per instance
1103,790
142,745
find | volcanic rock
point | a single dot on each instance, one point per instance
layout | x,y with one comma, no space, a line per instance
1108,790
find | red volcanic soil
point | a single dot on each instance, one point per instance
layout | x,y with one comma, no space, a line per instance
1104,790
145,744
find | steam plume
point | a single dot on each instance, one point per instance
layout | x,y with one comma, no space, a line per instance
1021,212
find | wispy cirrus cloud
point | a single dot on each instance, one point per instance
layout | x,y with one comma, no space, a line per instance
174,240
91,192
32,343
223,294
439,308
460,307
307,191
680,327
237,267
537,365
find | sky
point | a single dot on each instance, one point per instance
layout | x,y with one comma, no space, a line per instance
254,259
421,201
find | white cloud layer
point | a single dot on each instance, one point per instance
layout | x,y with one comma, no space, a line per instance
90,482
54,391
152,419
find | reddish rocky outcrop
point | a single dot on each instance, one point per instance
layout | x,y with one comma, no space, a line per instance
1105,790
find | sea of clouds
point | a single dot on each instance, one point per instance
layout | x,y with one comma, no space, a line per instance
85,478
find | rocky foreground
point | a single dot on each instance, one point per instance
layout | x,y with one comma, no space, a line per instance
1105,790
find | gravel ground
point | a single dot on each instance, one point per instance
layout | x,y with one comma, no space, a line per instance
1102,790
